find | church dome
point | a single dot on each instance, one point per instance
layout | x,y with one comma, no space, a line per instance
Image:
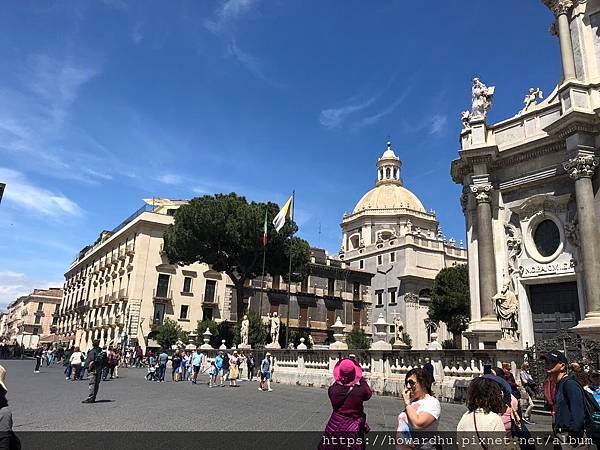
389,193
387,196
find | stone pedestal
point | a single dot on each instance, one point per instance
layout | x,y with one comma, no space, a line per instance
244,347
223,346
483,332
302,345
337,345
588,328
273,345
508,344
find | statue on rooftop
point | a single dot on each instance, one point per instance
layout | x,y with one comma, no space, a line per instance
481,97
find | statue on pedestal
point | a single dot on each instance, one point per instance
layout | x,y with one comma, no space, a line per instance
481,97
245,330
275,322
399,326
506,306
531,98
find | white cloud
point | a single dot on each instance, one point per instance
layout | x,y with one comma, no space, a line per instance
170,178
227,13
14,285
27,196
438,123
370,120
333,117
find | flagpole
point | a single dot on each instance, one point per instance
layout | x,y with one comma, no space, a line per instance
287,322
262,277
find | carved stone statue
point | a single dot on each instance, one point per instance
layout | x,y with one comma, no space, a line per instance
245,330
514,245
399,325
310,340
572,233
481,98
275,322
506,306
531,98
465,118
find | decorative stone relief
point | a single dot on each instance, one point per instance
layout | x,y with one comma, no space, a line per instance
481,98
411,297
572,232
559,7
581,166
482,192
506,307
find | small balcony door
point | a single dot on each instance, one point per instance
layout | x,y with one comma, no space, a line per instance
162,287
209,291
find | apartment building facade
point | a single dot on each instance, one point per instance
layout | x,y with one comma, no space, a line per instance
32,317
121,288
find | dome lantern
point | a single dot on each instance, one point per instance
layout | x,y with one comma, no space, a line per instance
388,167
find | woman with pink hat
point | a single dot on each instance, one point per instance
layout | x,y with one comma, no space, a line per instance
347,394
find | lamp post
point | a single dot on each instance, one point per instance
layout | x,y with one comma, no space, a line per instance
385,274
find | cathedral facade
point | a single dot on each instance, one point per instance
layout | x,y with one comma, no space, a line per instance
531,200
391,235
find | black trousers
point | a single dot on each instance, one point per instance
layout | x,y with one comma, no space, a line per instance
94,383
38,363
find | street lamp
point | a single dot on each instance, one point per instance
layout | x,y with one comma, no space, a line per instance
385,273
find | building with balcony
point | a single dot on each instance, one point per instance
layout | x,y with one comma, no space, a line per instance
329,290
31,318
391,235
122,287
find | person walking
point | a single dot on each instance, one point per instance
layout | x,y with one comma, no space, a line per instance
75,362
163,358
225,366
528,393
95,362
39,354
422,410
175,366
67,362
219,366
484,404
197,363
265,373
347,396
234,371
569,407
151,375
250,364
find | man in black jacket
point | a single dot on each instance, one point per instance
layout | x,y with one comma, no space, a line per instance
94,363
569,406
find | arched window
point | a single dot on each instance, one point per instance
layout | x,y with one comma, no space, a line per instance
387,173
395,173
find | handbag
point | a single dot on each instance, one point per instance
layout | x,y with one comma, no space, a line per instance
477,433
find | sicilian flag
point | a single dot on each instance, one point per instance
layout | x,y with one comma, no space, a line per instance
286,211
264,236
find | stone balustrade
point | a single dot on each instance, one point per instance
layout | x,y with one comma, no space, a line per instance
386,370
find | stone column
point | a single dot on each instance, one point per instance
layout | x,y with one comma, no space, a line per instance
581,168
561,8
485,244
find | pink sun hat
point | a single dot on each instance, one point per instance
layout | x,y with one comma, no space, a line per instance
347,372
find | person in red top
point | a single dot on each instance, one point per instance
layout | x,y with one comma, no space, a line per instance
347,424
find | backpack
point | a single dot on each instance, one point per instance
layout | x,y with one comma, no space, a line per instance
100,359
592,413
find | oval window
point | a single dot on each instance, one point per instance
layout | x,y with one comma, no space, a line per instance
546,238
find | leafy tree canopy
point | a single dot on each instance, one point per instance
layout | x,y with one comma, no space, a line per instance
450,299
225,231
168,334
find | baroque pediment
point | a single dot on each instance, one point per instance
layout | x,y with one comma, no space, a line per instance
540,203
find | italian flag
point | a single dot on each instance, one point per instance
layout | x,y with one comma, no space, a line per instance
264,236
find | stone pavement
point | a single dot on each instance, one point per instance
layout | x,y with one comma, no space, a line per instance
46,401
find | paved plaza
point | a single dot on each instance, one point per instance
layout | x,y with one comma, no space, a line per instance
46,401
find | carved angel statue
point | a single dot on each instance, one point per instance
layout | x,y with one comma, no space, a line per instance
465,117
506,306
531,98
481,97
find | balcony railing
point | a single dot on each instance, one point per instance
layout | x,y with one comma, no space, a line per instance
130,250
210,300
122,254
123,294
162,295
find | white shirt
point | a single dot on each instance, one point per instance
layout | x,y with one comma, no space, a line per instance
75,358
486,423
428,404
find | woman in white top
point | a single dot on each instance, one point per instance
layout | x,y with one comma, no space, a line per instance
482,420
75,361
422,409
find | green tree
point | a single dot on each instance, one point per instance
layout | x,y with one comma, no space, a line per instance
450,301
357,339
168,334
407,339
225,232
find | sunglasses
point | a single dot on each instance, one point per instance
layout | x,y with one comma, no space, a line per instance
410,383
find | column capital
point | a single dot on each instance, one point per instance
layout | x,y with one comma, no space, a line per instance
559,7
582,166
482,192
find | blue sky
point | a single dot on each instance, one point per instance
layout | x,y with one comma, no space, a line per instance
105,103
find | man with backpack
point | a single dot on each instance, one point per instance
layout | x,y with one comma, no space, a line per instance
569,403
95,362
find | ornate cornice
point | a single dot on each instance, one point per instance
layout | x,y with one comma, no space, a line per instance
482,192
529,155
582,166
559,7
